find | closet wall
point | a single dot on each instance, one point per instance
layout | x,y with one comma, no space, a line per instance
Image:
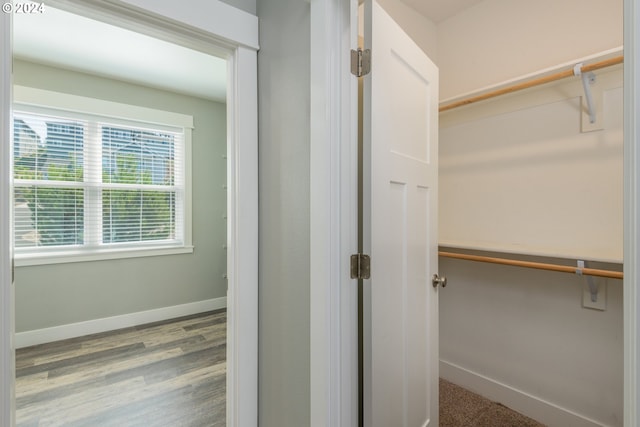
421,29
497,40
517,335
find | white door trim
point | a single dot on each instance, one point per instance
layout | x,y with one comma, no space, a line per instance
632,213
216,18
238,39
333,218
242,238
7,347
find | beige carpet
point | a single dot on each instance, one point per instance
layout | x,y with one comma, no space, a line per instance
462,408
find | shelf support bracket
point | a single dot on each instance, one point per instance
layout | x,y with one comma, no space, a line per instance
593,288
593,104
594,292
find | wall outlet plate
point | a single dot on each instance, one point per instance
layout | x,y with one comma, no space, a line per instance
601,302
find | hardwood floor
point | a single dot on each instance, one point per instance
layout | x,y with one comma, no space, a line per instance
169,373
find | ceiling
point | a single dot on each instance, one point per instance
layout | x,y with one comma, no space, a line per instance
74,42
70,41
440,10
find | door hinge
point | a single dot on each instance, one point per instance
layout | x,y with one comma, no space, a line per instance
360,62
360,266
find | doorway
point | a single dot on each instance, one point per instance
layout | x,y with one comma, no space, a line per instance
138,185
238,46
331,304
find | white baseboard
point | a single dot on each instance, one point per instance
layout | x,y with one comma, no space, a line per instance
72,330
540,410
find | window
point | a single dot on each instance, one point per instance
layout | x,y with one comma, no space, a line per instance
95,179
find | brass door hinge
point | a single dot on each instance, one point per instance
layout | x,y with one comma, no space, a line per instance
360,62
360,266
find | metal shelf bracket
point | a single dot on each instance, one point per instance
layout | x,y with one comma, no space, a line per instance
593,288
593,103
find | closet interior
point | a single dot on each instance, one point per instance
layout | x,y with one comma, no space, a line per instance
531,208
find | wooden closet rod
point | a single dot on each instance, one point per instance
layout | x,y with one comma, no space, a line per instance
536,265
531,83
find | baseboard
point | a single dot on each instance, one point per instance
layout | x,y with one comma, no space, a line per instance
72,330
540,410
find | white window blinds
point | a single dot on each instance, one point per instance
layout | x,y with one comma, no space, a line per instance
49,190
84,182
140,190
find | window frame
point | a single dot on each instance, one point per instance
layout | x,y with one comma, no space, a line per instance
39,101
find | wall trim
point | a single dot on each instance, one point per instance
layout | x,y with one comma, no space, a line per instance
72,330
534,407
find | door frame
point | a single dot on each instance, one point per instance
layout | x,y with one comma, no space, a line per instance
332,371
631,282
214,27
334,215
7,349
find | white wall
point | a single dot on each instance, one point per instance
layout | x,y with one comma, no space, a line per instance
421,29
246,5
497,40
519,175
520,337
516,335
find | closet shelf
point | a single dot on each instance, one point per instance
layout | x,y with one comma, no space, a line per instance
570,72
536,265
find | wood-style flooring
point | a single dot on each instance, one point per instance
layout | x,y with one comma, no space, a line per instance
168,373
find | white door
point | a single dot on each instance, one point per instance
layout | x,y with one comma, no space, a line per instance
400,223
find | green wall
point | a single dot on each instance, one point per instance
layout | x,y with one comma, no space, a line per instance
58,294
284,102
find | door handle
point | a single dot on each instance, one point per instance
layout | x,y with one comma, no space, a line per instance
436,280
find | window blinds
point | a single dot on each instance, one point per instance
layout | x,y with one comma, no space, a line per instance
93,182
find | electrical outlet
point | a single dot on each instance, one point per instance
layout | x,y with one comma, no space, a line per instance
601,285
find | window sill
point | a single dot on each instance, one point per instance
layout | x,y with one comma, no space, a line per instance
24,260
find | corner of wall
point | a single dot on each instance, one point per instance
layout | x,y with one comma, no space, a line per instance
420,28
248,6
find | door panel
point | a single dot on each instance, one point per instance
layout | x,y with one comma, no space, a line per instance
400,202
